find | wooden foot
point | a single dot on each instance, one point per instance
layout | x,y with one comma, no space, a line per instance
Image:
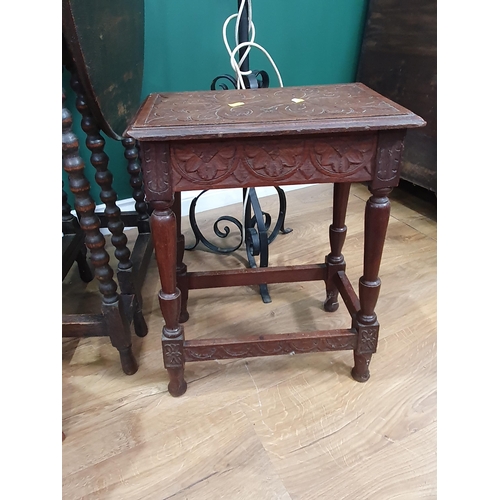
129,364
360,372
183,317
140,326
331,303
86,274
177,385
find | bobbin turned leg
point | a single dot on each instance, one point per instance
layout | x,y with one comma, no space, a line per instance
112,310
131,154
335,259
376,220
164,230
70,225
181,268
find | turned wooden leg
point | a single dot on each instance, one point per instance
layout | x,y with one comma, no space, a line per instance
104,178
376,220
181,268
84,270
334,260
70,225
99,159
128,283
134,169
164,231
116,323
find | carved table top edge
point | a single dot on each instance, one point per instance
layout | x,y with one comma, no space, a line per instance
264,112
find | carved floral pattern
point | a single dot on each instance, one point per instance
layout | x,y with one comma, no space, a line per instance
368,339
389,156
268,348
172,354
157,182
268,161
205,164
267,105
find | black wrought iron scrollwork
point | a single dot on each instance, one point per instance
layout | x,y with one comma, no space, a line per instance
255,231
254,80
263,82
257,237
257,240
223,86
199,237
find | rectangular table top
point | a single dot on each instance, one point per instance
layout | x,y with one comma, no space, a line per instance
272,111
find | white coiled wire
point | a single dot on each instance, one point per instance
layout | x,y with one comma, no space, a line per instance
236,65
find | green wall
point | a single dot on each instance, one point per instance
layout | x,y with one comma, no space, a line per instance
312,42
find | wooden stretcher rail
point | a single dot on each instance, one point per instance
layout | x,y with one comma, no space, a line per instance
94,325
269,345
83,325
256,276
347,293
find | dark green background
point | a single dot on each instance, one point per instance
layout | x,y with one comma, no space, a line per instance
312,42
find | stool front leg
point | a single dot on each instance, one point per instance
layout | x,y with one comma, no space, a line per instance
376,220
338,230
164,231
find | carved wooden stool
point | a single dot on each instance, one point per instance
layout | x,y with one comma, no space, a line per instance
242,138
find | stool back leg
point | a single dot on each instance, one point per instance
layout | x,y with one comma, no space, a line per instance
181,268
335,260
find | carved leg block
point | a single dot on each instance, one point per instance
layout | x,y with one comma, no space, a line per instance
173,357
367,345
173,342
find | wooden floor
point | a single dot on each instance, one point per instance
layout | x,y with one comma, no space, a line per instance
284,427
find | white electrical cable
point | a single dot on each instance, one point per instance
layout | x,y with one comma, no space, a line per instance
236,65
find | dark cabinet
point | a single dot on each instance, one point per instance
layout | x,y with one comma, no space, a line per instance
398,59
